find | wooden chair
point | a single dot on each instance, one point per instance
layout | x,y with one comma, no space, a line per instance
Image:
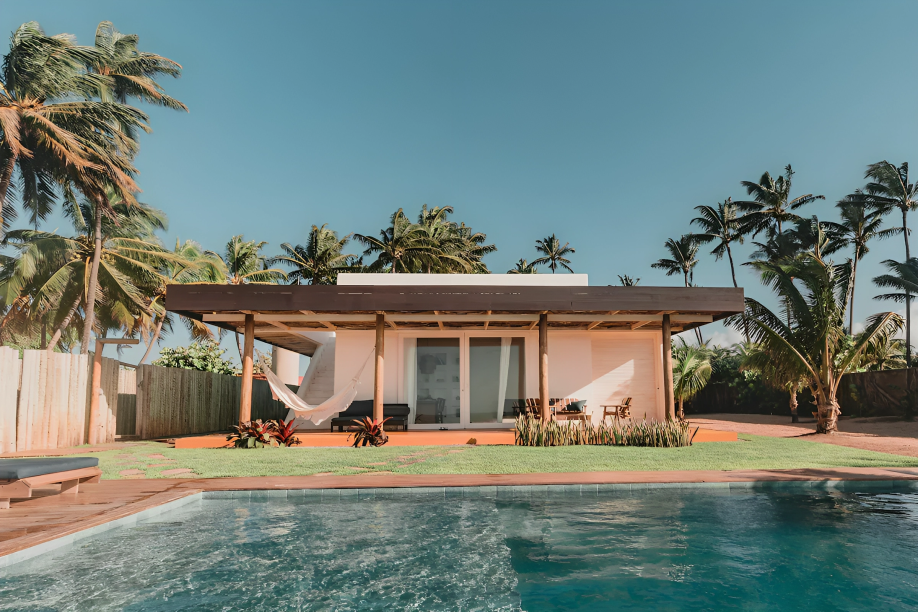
617,411
19,476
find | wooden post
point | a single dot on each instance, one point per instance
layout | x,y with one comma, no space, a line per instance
544,399
379,370
96,390
245,399
668,400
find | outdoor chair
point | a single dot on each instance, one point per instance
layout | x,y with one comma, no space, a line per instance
617,411
19,476
398,413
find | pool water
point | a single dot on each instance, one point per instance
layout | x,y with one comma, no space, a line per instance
665,549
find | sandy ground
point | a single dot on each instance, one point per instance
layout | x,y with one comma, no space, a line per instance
884,434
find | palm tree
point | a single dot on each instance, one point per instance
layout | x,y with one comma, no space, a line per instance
754,359
816,349
627,281
319,262
51,130
57,266
889,189
771,206
683,259
456,246
691,372
553,254
402,247
523,267
190,264
719,225
903,279
857,227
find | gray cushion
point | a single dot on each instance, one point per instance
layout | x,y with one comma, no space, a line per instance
14,469
576,406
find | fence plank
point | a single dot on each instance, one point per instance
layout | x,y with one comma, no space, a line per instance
10,369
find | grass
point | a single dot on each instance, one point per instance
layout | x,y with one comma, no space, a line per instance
150,459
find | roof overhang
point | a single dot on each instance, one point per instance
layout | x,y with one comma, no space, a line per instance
284,313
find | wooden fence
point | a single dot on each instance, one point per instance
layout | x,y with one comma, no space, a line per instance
173,402
876,394
44,400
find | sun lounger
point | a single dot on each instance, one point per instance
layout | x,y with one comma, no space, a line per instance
19,476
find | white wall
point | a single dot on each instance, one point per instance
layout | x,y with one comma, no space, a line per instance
629,364
601,367
351,351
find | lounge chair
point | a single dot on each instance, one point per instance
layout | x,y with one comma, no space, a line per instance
617,411
19,476
361,409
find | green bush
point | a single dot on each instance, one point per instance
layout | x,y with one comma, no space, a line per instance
204,356
531,431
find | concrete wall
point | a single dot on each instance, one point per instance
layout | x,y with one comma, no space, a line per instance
629,364
490,280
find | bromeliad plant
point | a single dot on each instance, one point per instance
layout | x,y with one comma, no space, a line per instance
252,434
283,432
369,432
531,431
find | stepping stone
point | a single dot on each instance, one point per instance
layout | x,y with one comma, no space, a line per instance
152,465
380,463
324,474
175,471
156,456
131,472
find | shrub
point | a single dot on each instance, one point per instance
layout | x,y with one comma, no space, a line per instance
205,356
252,434
369,432
531,431
284,432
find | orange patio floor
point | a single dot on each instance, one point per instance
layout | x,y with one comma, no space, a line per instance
417,438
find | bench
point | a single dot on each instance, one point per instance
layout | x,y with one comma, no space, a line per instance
364,408
19,476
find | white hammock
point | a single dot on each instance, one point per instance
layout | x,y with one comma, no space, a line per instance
336,403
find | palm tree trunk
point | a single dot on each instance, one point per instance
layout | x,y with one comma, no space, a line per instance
6,175
733,274
827,412
60,328
793,406
44,332
154,338
908,297
851,297
93,281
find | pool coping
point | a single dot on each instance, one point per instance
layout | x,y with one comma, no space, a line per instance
166,501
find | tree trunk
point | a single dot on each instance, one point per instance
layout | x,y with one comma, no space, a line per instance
733,274
44,332
908,297
93,281
154,338
60,329
827,412
851,297
793,406
6,175
681,410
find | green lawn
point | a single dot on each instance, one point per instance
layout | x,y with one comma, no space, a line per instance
751,452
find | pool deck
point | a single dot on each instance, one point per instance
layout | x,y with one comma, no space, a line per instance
48,516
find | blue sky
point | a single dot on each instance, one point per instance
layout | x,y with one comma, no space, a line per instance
603,122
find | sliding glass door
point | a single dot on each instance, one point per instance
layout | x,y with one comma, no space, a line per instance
463,379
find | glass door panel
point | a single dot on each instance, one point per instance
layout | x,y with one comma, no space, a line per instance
497,379
437,386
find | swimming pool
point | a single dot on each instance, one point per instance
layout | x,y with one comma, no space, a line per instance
662,549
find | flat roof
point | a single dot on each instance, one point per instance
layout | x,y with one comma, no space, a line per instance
465,280
283,313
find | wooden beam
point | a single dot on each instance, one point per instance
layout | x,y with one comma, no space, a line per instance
245,397
487,321
594,324
544,398
638,325
668,400
378,371
439,321
626,318
280,325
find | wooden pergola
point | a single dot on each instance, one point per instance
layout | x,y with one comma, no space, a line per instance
276,314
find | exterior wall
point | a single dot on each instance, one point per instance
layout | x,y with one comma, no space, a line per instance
629,364
601,367
491,280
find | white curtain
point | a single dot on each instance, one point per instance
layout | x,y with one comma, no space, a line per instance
503,376
411,376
